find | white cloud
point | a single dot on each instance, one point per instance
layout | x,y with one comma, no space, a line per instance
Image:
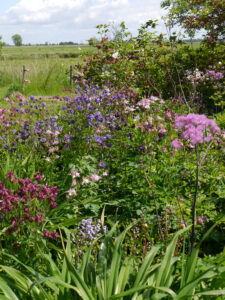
73,17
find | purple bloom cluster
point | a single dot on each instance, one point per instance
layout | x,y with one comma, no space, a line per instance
101,139
90,229
213,75
196,128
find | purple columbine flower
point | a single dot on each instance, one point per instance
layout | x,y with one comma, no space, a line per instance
102,165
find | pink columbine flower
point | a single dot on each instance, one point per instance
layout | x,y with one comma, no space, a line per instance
74,182
71,192
182,224
85,180
53,149
75,173
200,220
94,177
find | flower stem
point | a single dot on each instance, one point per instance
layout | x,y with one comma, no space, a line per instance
194,200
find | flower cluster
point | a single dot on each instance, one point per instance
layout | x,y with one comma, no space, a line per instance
93,177
195,77
196,128
52,235
90,229
146,102
213,75
28,203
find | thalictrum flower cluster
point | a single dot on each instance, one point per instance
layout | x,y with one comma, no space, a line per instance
195,128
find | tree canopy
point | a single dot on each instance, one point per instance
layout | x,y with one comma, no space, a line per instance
196,15
17,40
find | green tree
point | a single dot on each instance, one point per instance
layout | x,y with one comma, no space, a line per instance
194,15
17,40
1,44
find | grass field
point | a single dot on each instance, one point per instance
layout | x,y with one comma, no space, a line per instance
49,67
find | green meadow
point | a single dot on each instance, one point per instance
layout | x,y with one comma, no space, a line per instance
49,68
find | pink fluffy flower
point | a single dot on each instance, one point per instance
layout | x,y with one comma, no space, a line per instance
177,144
196,128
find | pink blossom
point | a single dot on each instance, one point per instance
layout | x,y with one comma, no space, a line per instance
94,177
177,144
71,192
85,180
200,220
196,128
168,115
38,219
75,173
74,182
53,149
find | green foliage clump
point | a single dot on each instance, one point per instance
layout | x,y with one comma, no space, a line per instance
17,39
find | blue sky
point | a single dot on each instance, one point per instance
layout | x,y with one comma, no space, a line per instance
5,4
53,21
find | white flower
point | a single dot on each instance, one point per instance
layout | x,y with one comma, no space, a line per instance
115,55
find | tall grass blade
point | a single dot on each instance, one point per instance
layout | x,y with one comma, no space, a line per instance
167,262
8,293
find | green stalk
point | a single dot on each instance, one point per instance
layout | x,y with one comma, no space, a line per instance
194,201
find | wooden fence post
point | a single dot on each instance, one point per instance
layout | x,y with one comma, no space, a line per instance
71,77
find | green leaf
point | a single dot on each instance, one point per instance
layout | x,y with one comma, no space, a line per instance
211,293
142,288
9,294
81,287
124,274
168,261
145,265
